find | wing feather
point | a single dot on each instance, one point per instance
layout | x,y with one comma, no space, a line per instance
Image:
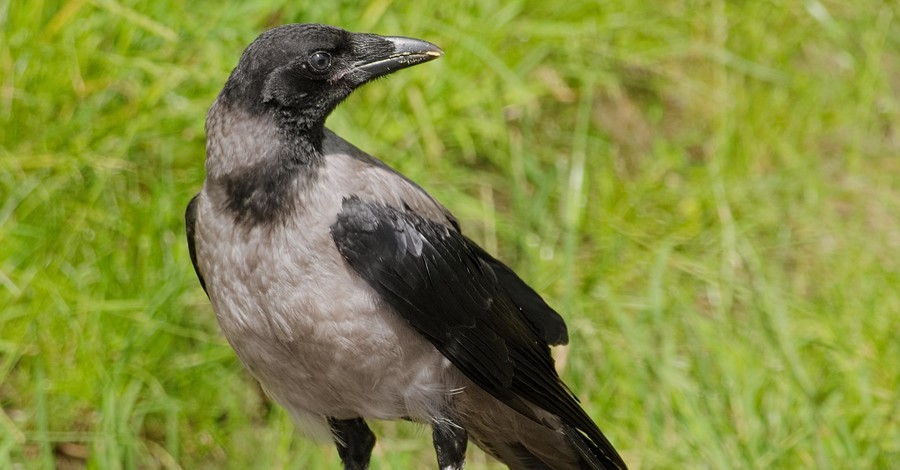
473,308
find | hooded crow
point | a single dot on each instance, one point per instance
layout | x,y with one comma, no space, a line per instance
349,292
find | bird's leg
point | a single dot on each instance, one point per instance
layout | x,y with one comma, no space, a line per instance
354,442
450,445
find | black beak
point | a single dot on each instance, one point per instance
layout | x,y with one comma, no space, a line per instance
406,53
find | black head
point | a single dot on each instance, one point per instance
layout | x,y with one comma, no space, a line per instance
305,70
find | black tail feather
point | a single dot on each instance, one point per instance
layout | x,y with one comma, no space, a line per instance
595,455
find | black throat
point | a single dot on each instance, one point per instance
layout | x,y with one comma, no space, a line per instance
268,192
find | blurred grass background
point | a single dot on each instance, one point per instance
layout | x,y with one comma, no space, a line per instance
709,191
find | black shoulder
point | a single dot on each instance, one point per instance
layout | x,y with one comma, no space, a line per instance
436,280
190,226
425,271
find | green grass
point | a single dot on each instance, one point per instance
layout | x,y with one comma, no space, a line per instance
709,192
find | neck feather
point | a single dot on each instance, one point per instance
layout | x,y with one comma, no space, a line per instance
258,164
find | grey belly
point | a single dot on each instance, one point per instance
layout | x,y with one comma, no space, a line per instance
331,352
312,332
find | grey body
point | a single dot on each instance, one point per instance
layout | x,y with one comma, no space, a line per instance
312,332
316,258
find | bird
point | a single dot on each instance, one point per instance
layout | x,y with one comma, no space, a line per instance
351,294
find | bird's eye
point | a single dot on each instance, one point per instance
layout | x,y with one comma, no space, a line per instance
320,61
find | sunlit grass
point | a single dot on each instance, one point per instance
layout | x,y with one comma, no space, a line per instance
709,192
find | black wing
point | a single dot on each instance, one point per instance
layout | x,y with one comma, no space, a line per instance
442,285
190,226
549,324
